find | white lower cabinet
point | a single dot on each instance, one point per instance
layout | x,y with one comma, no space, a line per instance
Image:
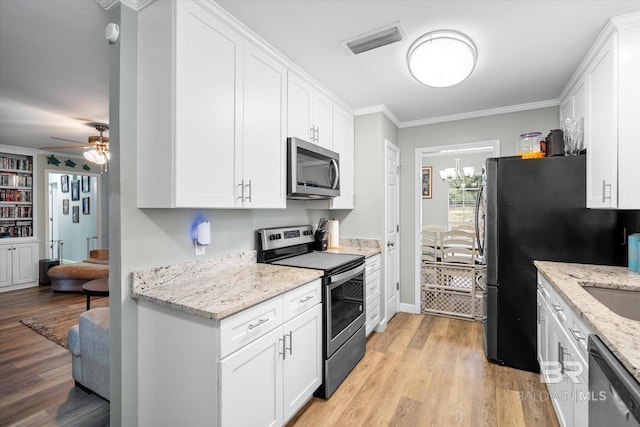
255,368
275,374
372,293
562,354
18,265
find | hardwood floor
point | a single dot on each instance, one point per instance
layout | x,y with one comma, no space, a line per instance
422,371
36,387
430,371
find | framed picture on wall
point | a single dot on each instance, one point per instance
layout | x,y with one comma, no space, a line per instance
65,207
64,183
86,183
85,206
75,215
426,182
75,190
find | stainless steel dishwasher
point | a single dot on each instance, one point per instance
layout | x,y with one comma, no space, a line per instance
614,392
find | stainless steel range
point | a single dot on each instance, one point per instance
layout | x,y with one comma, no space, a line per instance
343,296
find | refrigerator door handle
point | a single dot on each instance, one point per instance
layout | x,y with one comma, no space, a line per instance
479,243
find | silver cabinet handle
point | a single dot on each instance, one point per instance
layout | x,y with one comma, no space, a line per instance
241,185
312,133
575,335
303,300
248,185
604,186
290,341
260,322
318,134
284,351
557,307
390,244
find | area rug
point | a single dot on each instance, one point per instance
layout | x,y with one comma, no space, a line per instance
55,325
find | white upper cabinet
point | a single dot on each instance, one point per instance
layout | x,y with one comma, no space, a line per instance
606,92
211,113
310,113
602,153
264,130
343,144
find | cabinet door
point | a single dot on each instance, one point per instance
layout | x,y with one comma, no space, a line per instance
24,263
343,144
602,155
5,265
264,132
541,336
251,383
322,113
299,108
303,359
208,60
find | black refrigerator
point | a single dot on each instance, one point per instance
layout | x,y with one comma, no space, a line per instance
535,210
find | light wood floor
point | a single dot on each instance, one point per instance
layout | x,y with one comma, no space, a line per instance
36,387
422,371
430,371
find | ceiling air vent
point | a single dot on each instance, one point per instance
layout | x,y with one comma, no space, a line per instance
375,39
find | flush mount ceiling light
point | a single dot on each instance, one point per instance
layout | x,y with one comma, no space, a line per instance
442,58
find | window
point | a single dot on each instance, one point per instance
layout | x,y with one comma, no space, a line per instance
462,202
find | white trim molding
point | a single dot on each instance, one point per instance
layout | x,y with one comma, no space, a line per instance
136,5
417,197
379,109
482,113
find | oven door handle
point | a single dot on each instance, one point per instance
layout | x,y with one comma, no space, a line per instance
346,275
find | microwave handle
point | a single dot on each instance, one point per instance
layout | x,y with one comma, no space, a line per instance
337,178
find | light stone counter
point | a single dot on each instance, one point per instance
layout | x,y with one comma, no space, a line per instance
216,288
353,246
620,334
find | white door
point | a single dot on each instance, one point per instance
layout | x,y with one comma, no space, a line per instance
392,227
25,264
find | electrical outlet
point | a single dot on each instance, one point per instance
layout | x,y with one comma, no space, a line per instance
199,249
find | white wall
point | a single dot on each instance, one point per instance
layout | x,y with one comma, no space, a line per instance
504,127
367,219
144,238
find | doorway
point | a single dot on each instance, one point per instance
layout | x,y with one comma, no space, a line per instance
72,212
434,209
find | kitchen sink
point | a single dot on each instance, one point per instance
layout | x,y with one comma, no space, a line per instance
623,302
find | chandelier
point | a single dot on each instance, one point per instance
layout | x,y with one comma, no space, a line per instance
458,177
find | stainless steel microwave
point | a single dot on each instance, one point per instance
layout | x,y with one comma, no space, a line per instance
313,172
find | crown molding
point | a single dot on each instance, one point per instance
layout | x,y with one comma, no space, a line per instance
378,109
482,113
136,5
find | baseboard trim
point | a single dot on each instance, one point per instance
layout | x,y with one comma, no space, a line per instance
409,308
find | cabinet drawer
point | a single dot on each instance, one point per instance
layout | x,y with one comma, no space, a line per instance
301,299
240,329
578,333
373,315
373,286
372,264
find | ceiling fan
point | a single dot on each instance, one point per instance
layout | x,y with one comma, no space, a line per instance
97,146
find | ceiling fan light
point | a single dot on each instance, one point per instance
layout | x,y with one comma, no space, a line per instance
441,58
94,157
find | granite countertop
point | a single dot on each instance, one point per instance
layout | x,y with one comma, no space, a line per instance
353,246
216,288
620,334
